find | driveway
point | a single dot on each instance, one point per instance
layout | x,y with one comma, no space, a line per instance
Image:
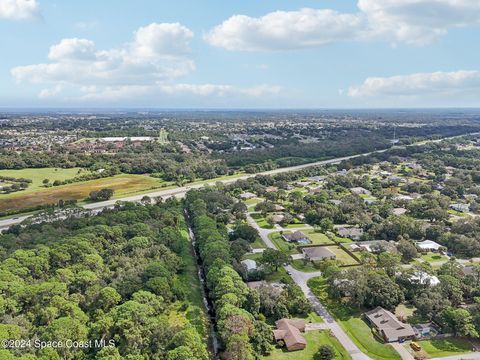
301,278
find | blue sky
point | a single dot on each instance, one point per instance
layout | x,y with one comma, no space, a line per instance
248,53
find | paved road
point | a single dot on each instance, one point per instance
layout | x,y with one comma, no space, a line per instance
181,190
301,278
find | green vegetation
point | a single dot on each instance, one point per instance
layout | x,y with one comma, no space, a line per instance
261,221
38,175
281,244
120,275
445,347
343,257
433,257
351,322
315,339
123,185
317,238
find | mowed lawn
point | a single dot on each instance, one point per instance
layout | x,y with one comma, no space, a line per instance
351,322
315,339
122,185
445,347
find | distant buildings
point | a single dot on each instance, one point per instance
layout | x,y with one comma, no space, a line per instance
247,195
460,207
360,191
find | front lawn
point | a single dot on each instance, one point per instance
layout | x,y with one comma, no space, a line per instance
315,339
281,244
301,265
261,221
433,257
351,322
445,347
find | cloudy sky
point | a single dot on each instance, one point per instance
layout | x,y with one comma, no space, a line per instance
240,53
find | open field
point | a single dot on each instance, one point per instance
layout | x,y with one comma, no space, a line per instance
351,322
314,340
122,185
38,175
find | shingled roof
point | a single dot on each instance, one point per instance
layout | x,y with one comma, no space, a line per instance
289,331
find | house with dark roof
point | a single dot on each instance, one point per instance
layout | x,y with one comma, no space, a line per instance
388,326
318,253
296,236
353,233
290,332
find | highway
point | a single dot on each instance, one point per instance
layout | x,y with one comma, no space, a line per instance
181,190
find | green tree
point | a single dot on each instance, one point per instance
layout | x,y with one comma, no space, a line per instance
274,258
325,352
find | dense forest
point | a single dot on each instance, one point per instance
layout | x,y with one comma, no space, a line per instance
125,276
242,313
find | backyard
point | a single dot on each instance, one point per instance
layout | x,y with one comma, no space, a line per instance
351,322
314,340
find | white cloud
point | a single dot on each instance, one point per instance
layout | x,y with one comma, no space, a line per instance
416,22
282,30
19,9
177,91
148,67
435,85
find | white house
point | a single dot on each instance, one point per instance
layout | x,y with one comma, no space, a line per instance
460,207
250,265
428,245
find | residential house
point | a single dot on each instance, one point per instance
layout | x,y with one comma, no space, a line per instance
353,233
429,245
296,236
277,207
360,191
389,327
318,253
399,211
423,278
401,197
250,265
460,207
271,189
247,195
290,332
278,218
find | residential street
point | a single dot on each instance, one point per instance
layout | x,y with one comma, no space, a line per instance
301,279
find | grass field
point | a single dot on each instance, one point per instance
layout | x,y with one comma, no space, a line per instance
315,339
433,257
445,347
261,221
351,322
38,175
342,256
317,238
123,185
